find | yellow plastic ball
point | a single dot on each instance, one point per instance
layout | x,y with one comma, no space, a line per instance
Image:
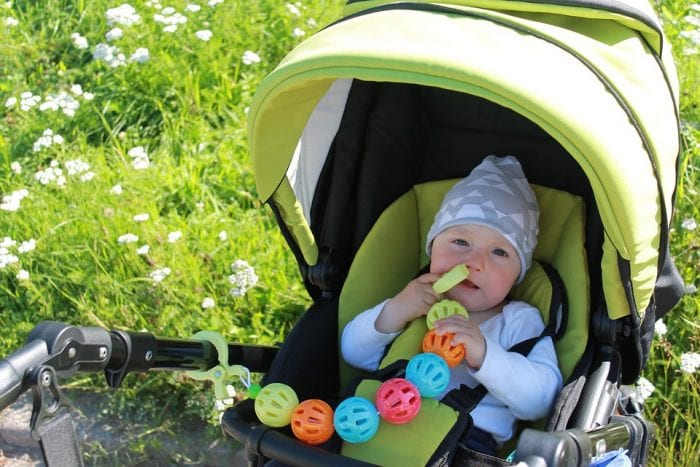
275,404
443,309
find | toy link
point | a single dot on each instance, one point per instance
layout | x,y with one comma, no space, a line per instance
356,419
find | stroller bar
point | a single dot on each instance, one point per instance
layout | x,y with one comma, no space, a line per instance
578,447
262,442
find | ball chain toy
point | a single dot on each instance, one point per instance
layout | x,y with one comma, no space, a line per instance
442,345
356,419
398,400
312,421
429,372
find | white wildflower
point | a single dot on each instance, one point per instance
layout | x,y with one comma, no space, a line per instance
660,328
127,238
124,15
51,174
293,9
204,34
46,140
243,278
139,158
214,2
690,362
174,236
16,167
114,34
193,7
28,100
644,388
223,235
689,224
79,41
7,242
143,250
250,57
61,101
116,190
12,201
87,176
88,96
298,32
109,54
140,55
159,274
76,167
76,89
27,246
10,21
208,302
143,217
311,23
7,258
10,102
23,275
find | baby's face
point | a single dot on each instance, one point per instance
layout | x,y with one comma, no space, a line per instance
492,261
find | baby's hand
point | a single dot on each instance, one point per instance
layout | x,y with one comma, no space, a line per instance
413,301
467,333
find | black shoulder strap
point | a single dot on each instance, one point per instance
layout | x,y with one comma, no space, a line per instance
466,398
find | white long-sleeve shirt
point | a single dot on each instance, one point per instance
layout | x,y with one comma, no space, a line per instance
519,387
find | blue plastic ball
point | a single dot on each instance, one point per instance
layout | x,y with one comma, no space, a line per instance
429,373
356,420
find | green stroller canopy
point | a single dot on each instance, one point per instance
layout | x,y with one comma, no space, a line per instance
596,76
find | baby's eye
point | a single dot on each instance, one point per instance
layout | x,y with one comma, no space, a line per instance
500,252
460,242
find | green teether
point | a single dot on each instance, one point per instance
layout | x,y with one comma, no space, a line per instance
223,373
451,278
443,309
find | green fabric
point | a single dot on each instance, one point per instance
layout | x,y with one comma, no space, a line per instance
383,265
407,445
292,215
393,253
480,55
511,6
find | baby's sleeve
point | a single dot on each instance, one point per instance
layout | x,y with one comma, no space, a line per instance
361,345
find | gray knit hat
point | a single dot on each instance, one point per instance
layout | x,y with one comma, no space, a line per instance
495,194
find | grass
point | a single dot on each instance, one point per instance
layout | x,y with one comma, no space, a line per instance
186,108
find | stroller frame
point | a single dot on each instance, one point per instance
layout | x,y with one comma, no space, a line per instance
55,349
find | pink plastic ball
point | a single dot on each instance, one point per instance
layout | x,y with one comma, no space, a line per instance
398,400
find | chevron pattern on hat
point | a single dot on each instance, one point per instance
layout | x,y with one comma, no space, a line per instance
495,194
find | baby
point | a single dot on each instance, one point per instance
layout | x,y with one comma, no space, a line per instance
488,222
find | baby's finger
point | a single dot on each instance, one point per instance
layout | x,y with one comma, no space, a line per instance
428,278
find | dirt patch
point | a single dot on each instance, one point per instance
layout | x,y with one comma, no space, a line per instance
111,439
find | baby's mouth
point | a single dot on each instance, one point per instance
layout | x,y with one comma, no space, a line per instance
469,284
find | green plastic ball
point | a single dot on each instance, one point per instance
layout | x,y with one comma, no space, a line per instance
275,404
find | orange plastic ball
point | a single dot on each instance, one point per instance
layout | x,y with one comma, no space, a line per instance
442,346
312,421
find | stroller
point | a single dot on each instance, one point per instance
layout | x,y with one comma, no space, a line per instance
363,127
355,138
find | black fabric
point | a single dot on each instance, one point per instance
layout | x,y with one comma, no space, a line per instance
308,359
669,287
393,136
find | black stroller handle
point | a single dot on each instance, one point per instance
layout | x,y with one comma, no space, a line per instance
68,349
260,440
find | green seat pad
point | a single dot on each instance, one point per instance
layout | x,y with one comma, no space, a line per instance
394,252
